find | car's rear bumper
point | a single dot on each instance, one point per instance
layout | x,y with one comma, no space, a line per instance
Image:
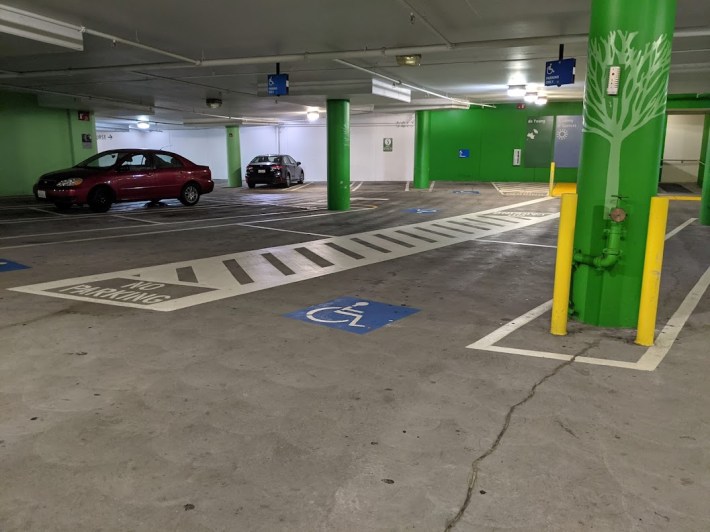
207,187
261,179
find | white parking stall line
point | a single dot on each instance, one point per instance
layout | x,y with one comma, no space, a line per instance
247,224
406,186
354,188
431,187
47,211
210,279
649,361
136,219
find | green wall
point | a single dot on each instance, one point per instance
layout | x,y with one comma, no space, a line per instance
35,140
491,135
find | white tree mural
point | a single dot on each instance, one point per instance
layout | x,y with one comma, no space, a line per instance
642,92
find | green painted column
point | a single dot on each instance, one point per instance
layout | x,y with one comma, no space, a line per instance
338,155
234,157
621,152
704,174
422,130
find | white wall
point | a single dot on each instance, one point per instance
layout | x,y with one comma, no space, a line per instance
201,146
306,143
368,162
684,136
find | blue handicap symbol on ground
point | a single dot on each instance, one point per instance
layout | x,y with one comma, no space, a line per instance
8,266
420,210
466,192
352,314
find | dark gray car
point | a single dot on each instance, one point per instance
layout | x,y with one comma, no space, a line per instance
274,170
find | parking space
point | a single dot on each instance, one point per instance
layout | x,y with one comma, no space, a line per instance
252,387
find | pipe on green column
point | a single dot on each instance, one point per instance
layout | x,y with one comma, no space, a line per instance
422,128
338,155
611,253
234,157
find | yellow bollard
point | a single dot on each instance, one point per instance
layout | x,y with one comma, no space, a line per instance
652,266
563,264
552,178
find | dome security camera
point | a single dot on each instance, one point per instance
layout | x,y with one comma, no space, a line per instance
213,103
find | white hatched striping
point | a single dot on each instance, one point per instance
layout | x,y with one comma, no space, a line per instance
522,189
235,274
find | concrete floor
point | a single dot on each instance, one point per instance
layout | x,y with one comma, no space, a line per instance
228,416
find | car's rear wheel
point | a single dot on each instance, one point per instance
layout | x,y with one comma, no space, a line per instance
303,177
62,205
100,199
190,194
288,181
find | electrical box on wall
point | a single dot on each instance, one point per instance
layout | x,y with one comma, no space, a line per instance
612,88
516,156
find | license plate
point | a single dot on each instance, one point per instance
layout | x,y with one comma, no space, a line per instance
262,171
41,194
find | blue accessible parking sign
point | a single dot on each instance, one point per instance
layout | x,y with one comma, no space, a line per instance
8,266
352,314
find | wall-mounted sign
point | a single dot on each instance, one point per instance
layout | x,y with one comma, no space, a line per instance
464,154
568,141
517,156
560,72
86,140
277,85
387,144
538,142
84,116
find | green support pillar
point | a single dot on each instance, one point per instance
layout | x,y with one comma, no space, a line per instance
422,156
704,174
338,155
621,153
234,157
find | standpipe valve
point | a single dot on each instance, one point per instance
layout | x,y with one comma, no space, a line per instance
614,234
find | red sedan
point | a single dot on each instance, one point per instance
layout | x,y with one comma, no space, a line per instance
125,175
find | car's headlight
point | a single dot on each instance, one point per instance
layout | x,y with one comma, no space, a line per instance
73,182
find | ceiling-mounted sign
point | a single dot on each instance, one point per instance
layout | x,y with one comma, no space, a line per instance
277,85
560,72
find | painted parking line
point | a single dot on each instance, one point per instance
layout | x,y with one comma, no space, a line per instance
649,361
275,266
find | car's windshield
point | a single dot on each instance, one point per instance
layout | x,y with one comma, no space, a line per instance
100,160
266,159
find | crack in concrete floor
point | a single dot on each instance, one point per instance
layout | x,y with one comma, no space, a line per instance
451,524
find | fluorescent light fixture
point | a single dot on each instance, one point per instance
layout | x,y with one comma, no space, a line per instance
409,60
38,28
530,97
516,91
143,125
541,100
312,116
392,90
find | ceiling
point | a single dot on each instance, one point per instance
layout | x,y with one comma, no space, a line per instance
471,50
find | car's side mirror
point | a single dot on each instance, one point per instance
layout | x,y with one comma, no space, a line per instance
298,163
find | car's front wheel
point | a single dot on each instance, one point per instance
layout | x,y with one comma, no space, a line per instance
303,177
190,194
100,199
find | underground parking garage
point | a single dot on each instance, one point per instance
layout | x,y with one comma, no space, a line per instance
245,286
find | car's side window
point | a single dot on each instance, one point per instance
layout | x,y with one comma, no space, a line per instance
288,160
163,160
135,161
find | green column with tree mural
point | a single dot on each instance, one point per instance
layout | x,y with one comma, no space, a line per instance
621,151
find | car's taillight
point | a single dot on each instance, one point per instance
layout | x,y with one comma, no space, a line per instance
276,167
250,168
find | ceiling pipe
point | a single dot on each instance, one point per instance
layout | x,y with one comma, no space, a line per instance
115,39
411,86
329,56
428,24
